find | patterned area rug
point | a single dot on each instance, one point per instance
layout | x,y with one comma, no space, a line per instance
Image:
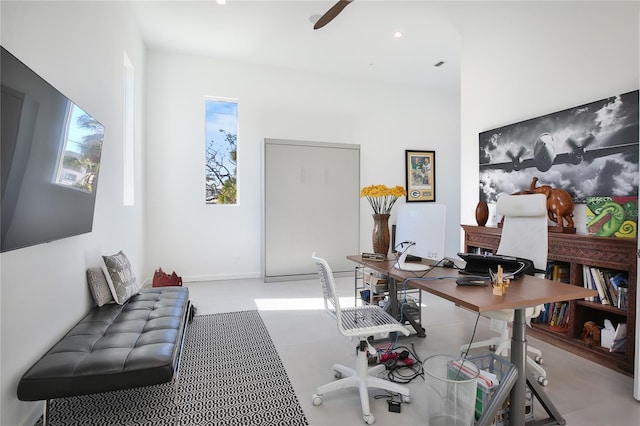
230,374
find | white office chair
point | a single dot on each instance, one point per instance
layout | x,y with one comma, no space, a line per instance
524,234
357,322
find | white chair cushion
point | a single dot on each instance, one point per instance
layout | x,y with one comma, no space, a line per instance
526,205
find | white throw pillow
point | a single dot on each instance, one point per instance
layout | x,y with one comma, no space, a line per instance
120,277
99,286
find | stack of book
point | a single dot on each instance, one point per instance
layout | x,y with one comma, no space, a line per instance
558,271
556,315
610,285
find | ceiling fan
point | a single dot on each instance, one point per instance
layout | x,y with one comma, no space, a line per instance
331,13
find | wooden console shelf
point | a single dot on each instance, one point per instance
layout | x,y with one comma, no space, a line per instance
578,250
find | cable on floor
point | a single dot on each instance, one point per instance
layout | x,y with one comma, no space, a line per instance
400,372
473,335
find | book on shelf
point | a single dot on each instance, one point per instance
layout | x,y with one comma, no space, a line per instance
623,297
555,315
552,315
620,278
595,276
562,314
587,282
558,271
565,319
561,271
556,312
611,288
542,318
620,282
606,288
548,312
608,283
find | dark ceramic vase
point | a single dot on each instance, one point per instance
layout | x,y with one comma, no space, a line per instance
380,236
482,213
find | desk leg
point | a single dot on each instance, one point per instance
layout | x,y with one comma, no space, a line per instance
538,392
519,359
395,309
417,327
518,391
393,296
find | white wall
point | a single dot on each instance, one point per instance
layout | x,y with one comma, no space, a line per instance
211,242
78,48
527,59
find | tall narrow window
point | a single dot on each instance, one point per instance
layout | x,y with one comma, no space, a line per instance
221,148
128,166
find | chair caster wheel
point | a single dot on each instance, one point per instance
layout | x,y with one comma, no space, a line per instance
316,399
337,374
539,360
406,398
369,419
543,381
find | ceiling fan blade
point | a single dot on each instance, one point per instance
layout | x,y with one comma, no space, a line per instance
331,13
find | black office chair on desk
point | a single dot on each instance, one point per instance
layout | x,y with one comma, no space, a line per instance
525,235
360,322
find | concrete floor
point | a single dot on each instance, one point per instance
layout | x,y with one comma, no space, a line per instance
309,343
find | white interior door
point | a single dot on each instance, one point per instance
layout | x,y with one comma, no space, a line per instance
311,204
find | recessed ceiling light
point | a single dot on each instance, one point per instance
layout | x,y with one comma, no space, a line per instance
398,34
221,1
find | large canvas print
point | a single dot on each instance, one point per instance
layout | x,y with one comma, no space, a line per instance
588,150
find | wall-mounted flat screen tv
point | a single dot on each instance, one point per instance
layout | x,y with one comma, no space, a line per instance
50,160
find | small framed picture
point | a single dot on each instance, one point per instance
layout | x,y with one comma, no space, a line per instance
420,175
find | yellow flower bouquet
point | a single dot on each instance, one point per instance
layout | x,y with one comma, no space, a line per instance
381,198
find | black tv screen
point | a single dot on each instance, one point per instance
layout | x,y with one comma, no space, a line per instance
50,160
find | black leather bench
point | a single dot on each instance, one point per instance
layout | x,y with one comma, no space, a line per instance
114,347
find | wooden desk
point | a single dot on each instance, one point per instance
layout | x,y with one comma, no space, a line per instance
525,292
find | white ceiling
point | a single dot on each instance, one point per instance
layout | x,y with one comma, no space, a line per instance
358,42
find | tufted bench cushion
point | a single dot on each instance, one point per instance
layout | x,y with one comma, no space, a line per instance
114,347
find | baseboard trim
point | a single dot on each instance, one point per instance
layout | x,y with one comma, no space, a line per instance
219,277
197,278
310,276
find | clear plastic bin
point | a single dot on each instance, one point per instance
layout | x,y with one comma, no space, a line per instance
501,367
451,390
